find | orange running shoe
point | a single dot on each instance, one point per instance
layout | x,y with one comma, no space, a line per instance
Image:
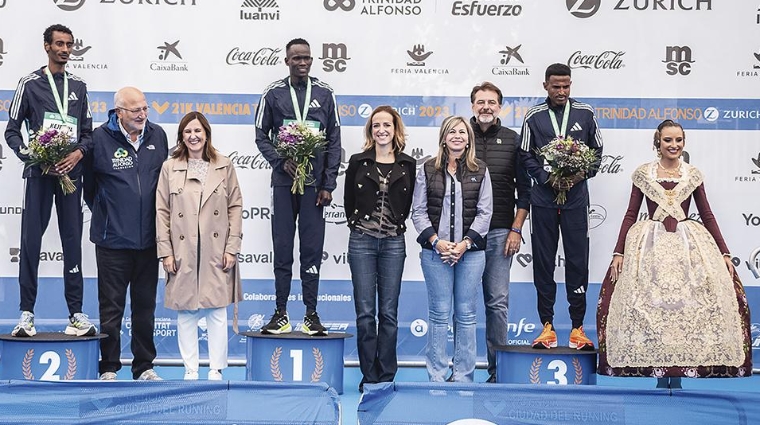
579,340
547,339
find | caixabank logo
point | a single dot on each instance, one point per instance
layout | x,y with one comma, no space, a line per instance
511,62
259,10
169,58
377,8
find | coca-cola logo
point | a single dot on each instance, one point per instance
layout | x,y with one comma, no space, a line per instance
608,59
611,164
265,56
249,162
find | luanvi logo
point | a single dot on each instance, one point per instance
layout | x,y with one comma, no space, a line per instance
678,60
259,10
69,5
334,57
583,8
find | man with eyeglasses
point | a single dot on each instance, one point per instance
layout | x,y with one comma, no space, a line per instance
499,148
305,99
51,98
120,183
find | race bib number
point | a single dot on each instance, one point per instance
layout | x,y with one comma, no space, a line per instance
54,120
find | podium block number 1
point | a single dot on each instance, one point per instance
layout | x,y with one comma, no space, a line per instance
297,356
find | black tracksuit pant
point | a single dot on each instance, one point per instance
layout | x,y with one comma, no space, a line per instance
287,208
546,224
39,194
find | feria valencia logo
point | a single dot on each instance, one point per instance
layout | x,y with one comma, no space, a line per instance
583,8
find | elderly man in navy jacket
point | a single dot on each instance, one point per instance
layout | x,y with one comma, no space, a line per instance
120,188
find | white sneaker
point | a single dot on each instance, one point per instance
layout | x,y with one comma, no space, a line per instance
108,376
214,375
80,325
149,375
191,375
25,325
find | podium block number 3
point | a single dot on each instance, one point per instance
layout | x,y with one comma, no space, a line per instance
560,372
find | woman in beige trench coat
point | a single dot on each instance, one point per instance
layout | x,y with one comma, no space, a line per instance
198,231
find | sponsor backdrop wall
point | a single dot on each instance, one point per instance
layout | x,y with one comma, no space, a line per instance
636,61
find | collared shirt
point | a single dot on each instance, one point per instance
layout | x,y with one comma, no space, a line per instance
422,221
136,144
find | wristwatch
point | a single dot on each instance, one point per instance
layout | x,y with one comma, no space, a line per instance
467,242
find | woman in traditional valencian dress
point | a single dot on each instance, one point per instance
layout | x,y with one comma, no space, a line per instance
671,304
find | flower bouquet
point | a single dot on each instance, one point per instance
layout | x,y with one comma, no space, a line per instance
297,142
567,157
49,147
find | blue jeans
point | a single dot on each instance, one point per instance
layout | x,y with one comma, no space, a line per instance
447,285
376,269
496,293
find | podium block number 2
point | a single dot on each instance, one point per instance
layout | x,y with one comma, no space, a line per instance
53,360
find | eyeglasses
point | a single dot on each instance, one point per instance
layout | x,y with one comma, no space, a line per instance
135,111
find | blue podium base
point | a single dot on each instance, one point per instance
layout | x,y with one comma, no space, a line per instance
520,364
49,356
295,357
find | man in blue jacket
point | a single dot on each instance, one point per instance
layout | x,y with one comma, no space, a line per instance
559,115
49,98
298,98
120,183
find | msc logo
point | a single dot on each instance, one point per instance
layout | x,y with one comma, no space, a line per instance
583,8
69,5
678,60
345,5
15,254
120,153
334,57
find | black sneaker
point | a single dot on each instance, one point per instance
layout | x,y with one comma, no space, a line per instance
312,325
278,324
